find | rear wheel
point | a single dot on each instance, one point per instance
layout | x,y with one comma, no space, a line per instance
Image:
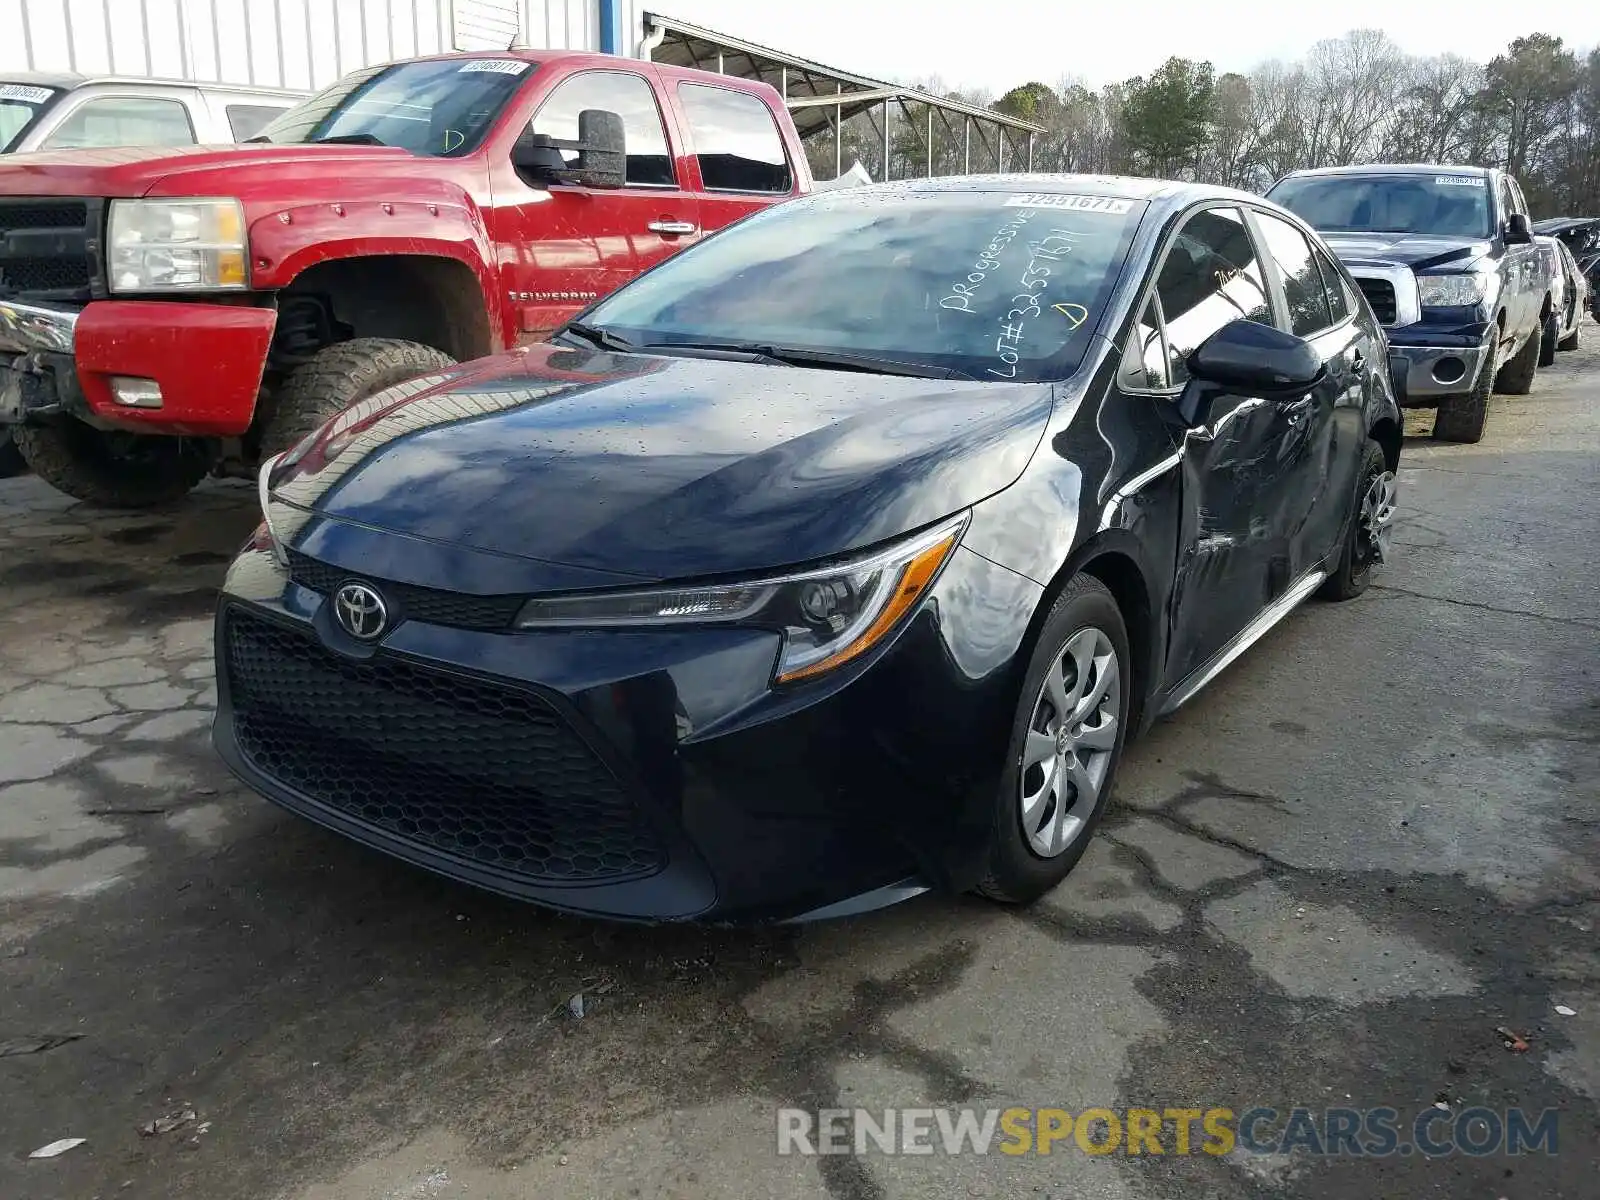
1549,334
1463,418
1516,377
113,468
339,376
1371,526
1066,742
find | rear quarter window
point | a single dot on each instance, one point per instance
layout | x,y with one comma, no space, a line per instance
736,141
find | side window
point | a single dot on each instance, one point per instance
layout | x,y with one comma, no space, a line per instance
1302,282
1210,278
124,121
1144,362
1508,203
1517,197
736,141
629,96
247,120
1340,302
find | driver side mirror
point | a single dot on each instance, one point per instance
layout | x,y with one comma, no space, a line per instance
1518,231
601,148
1256,359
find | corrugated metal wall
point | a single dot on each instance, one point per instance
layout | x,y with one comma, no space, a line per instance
301,44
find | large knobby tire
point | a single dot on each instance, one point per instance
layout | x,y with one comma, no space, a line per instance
337,377
1081,664
1371,522
1516,377
1463,418
114,469
11,461
1549,334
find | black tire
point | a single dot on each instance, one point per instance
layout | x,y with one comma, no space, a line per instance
1574,339
1016,873
114,469
1516,377
11,461
1353,573
1549,334
1463,418
337,377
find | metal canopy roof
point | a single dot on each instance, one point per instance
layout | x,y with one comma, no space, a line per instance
820,97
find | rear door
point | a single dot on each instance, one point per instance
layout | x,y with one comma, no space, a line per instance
737,151
1324,430
560,246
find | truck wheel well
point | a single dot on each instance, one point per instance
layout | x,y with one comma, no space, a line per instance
415,298
1387,434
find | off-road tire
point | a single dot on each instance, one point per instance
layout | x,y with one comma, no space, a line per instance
338,376
1015,874
1516,377
116,470
1574,339
1463,418
1353,572
1549,334
11,461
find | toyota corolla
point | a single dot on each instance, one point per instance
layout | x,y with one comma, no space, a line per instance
835,559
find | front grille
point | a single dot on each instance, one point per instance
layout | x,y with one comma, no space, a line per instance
431,605
45,249
480,772
1379,294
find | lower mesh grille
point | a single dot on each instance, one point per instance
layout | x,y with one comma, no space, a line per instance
479,772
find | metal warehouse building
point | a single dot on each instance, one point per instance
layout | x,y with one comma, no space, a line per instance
307,44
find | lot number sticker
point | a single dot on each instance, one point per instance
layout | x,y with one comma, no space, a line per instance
1457,181
495,66
28,95
1088,204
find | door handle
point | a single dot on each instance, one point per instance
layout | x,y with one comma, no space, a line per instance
671,226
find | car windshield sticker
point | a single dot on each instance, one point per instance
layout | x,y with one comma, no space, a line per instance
1088,204
1457,181
497,66
28,95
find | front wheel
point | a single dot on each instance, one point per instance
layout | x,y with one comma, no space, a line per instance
1574,339
1066,742
1463,418
112,468
1516,377
1549,334
1371,526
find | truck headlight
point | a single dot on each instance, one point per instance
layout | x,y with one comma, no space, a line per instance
1450,291
827,616
177,246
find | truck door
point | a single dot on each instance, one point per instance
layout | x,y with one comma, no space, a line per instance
737,150
559,246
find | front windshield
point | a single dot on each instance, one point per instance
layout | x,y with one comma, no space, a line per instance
1439,205
436,107
996,285
20,105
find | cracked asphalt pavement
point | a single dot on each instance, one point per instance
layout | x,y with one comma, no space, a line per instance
1329,880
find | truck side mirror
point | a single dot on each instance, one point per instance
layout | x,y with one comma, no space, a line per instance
537,154
1518,231
602,149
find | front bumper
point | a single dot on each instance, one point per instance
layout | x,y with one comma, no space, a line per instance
207,360
703,793
1423,374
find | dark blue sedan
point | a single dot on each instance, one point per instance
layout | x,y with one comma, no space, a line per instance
834,559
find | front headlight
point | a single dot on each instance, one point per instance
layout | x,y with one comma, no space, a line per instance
177,246
1450,291
827,616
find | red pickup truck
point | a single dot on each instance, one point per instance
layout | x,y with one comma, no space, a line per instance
169,313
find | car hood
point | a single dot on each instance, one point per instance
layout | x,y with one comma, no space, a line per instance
127,171
1415,250
662,468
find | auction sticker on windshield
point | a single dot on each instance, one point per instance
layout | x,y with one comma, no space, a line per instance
1088,204
1457,181
496,66
28,95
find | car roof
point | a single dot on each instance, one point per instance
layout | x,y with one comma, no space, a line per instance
69,80
1564,224
1394,169
1162,192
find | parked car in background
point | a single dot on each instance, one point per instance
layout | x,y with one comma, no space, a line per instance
169,313
1445,256
1551,332
67,111
1581,235
832,560
1576,300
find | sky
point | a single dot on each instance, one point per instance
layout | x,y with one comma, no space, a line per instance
984,44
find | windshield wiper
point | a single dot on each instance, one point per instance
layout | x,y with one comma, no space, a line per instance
596,336
795,356
349,139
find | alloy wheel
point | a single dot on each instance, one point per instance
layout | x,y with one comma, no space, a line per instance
1377,518
1072,737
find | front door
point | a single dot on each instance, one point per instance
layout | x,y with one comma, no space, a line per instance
1239,453
561,247
738,152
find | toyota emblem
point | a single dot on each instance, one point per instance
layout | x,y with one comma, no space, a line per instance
360,611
